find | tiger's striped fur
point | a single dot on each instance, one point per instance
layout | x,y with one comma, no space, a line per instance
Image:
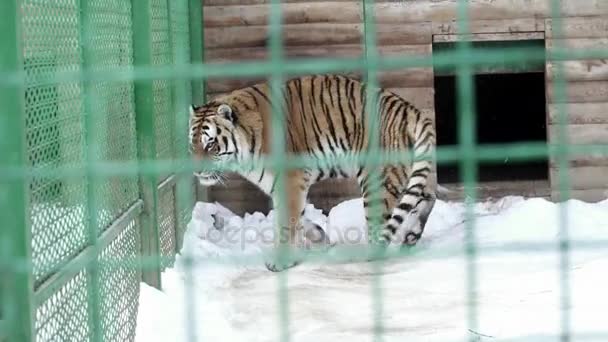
325,117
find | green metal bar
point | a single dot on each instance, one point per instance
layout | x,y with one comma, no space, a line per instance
346,254
183,183
468,165
197,47
16,286
563,146
92,153
278,152
375,218
445,154
145,122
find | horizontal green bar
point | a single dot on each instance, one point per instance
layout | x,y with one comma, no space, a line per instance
197,71
67,271
445,155
340,254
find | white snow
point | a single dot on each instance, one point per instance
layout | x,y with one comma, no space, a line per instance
424,296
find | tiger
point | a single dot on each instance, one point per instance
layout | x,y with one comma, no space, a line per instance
325,117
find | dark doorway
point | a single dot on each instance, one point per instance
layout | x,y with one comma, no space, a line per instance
510,107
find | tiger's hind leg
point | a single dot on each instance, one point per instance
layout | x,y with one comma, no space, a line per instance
380,199
410,215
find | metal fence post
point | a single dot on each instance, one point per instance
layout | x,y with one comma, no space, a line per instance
197,56
146,145
16,283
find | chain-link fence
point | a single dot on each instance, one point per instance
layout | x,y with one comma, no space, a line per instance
66,215
96,179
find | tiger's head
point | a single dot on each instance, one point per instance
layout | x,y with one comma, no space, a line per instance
212,137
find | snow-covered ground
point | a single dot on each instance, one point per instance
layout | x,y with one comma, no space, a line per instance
424,296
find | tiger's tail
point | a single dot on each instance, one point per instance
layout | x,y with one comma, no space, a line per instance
408,217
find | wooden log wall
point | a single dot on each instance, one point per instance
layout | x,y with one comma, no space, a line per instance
237,30
585,103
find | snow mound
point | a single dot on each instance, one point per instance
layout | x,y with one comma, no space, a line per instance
424,297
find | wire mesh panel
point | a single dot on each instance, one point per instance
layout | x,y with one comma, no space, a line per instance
54,130
63,317
167,220
120,288
62,120
113,107
162,56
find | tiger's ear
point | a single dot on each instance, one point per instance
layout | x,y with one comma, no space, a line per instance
192,110
225,111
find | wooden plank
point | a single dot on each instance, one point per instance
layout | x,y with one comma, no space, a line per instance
293,13
390,11
414,77
317,51
582,160
578,27
317,34
491,26
498,189
578,43
587,195
581,113
582,134
484,37
581,70
580,92
581,178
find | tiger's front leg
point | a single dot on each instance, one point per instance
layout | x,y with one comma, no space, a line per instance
289,235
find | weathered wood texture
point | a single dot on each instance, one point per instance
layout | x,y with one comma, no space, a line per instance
491,26
223,13
585,103
237,30
587,195
583,177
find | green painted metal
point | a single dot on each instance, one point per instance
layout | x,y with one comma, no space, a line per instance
16,285
91,151
196,47
109,85
146,136
63,276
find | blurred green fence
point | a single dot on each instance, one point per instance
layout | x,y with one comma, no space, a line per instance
55,227
95,177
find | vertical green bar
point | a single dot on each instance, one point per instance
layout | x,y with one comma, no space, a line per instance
373,124
146,144
92,153
183,181
278,157
563,154
196,47
468,163
197,56
16,291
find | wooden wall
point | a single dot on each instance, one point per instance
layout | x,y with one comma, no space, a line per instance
236,30
586,104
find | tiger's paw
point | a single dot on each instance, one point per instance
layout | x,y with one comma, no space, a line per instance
275,262
275,266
